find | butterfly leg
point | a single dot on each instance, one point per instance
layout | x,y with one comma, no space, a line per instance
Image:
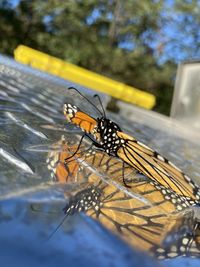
82,155
93,141
123,167
79,145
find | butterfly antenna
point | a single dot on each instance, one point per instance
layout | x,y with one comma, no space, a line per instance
56,229
70,88
99,99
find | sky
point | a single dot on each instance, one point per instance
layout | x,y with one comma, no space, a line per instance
14,2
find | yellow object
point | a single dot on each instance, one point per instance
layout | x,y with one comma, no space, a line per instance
65,70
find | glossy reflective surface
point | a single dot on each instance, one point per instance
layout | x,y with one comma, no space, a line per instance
31,204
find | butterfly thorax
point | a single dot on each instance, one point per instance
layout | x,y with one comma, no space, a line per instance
106,135
84,200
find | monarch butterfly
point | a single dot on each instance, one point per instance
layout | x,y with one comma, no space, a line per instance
149,226
108,136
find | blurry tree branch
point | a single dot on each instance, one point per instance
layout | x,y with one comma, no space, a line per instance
136,42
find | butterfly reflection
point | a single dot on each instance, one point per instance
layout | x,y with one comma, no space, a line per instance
148,216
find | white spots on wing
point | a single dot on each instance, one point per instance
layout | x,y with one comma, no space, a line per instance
173,248
69,109
187,178
173,200
160,250
185,241
192,202
161,257
164,191
182,249
172,254
160,157
179,207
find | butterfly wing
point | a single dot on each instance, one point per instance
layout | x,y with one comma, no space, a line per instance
143,225
182,239
140,184
138,155
61,172
79,118
156,167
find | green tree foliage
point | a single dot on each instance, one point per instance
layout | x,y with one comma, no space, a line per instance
136,42
8,27
188,24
